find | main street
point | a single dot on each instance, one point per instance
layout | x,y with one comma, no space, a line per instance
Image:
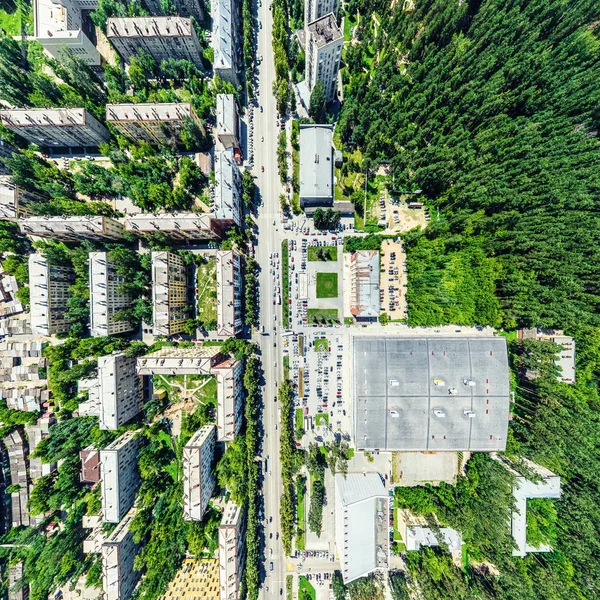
269,241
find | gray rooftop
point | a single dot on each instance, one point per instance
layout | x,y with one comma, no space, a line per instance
316,161
364,303
158,111
431,394
137,27
325,30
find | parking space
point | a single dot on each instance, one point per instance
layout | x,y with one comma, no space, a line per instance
392,280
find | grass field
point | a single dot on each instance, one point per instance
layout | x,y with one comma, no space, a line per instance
322,419
207,291
318,315
305,589
327,252
321,345
289,592
327,285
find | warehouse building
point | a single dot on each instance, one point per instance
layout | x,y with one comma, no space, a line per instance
232,551
364,284
169,293
316,165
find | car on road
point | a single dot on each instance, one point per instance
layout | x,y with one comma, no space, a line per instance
262,169
271,566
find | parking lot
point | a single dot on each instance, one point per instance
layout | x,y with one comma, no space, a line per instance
392,280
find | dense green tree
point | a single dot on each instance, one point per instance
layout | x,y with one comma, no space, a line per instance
318,103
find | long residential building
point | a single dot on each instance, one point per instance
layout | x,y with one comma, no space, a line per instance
315,9
15,201
324,42
73,229
169,293
56,127
230,398
120,476
35,434
17,588
229,293
157,123
160,37
179,226
186,8
228,189
198,476
106,297
62,24
119,576
228,129
49,289
224,39
232,551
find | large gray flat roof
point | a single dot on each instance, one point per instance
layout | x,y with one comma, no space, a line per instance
412,393
316,161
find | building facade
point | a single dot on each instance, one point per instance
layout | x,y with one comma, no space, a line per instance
198,476
185,8
230,398
160,37
228,124
49,290
315,9
120,476
158,123
119,577
225,17
232,551
15,201
17,588
179,226
229,293
364,284
106,299
169,293
60,24
227,189
316,165
72,229
56,127
324,42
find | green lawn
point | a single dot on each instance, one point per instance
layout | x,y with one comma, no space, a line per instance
322,345
305,589
207,291
324,253
320,315
301,527
350,453
327,285
322,419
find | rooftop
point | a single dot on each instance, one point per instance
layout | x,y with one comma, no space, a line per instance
51,17
316,161
197,579
162,111
167,221
431,394
365,284
226,114
135,27
43,117
222,41
325,30
201,436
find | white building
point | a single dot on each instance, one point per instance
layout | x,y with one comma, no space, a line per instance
49,292
119,577
15,201
120,477
198,476
73,229
315,9
364,284
179,226
115,395
174,360
416,534
60,24
361,524
232,550
229,293
106,299
230,398
224,39
56,127
161,37
228,189
188,8
169,293
316,165
324,42
228,130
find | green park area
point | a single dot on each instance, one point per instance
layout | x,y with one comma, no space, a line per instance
327,285
321,345
322,315
305,589
207,292
324,253
322,419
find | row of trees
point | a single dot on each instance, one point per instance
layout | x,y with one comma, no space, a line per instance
327,219
250,292
280,50
287,508
315,462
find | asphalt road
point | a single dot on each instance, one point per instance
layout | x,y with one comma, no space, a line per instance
269,241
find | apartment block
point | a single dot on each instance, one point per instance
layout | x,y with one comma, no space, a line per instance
35,434
224,39
120,477
161,37
63,24
196,579
15,201
179,226
315,9
15,446
230,398
158,123
198,476
119,577
174,360
228,189
169,293
90,465
73,229
188,8
228,122
106,297
232,551
324,42
17,589
56,127
229,293
49,292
